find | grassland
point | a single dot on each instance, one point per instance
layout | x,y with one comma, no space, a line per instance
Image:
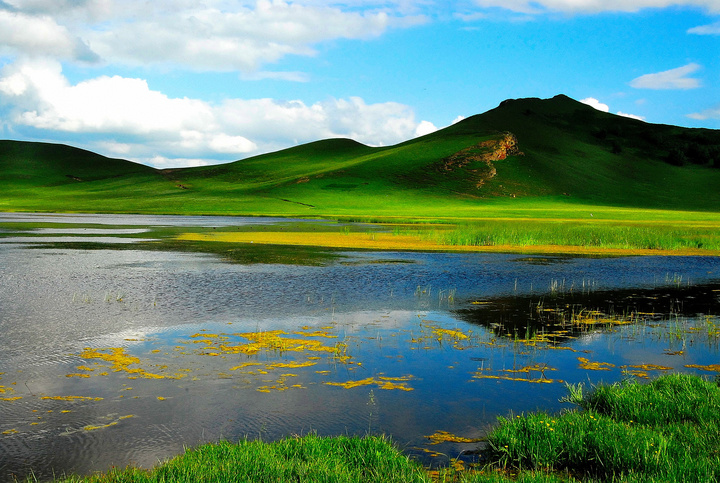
663,431
575,177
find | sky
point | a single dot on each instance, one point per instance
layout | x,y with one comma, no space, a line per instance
197,82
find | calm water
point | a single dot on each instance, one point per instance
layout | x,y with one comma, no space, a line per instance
116,351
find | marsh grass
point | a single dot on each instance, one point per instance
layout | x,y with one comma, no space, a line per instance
666,430
530,232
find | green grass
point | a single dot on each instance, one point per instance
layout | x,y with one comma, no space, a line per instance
307,459
664,431
570,165
620,235
667,430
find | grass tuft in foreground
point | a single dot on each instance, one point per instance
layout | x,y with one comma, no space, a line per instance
667,430
303,459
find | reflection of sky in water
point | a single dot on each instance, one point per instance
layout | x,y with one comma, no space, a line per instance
56,302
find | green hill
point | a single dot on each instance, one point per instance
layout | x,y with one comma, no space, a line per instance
552,155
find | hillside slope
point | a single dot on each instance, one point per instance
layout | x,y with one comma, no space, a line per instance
520,155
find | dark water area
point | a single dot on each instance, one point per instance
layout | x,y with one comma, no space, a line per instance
121,346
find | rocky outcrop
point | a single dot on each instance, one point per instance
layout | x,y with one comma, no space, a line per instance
485,152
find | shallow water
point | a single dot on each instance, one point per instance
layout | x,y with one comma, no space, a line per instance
186,347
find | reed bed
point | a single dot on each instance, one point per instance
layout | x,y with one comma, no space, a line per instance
572,233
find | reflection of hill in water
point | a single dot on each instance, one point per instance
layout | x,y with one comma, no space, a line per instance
572,313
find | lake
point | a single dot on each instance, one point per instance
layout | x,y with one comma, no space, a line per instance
123,346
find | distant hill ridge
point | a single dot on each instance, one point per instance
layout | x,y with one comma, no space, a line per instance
523,149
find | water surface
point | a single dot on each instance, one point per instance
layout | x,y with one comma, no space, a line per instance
124,353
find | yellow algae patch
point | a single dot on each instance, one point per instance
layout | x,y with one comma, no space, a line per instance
598,318
391,241
85,368
273,341
72,398
521,379
91,427
10,431
351,384
244,365
5,389
316,333
120,360
454,334
535,367
382,383
77,375
594,366
648,367
10,398
160,398
710,367
292,365
388,386
637,373
446,437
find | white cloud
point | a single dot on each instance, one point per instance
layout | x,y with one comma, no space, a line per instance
669,79
712,113
594,103
284,76
126,117
593,6
631,116
215,35
712,29
425,127
40,35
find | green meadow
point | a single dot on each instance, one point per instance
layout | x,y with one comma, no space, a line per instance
664,431
530,172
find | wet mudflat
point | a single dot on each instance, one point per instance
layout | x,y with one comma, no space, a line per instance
121,346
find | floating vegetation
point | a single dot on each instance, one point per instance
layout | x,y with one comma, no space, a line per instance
446,437
388,383
539,380
594,366
121,362
15,398
72,398
709,367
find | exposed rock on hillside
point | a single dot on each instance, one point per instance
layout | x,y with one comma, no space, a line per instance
478,160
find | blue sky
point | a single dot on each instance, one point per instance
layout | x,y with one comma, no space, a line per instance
188,82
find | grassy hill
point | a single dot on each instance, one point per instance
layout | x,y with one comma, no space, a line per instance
546,157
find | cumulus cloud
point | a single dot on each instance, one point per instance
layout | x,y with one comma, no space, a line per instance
425,127
712,113
215,35
631,116
712,29
669,79
593,6
592,102
40,35
126,117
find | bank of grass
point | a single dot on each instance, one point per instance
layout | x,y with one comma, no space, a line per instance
523,235
602,234
664,431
